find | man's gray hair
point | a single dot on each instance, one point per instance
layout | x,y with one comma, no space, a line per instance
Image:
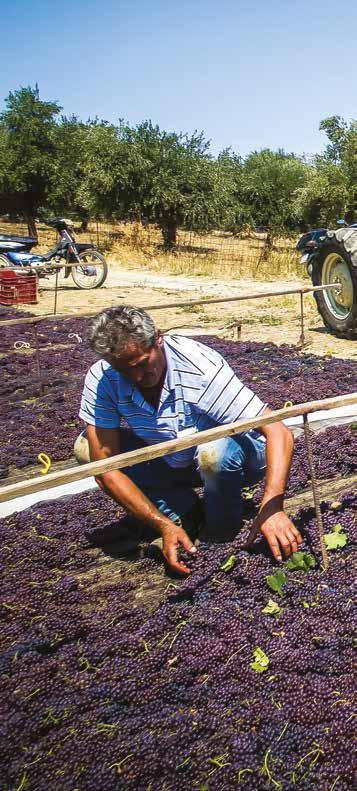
116,328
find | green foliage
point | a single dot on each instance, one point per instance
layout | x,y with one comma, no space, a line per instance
336,539
271,179
168,178
272,608
301,561
261,661
330,191
229,564
27,158
276,582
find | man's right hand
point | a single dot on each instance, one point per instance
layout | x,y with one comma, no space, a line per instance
175,537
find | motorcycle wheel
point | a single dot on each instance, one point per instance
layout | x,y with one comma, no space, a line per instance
93,272
334,264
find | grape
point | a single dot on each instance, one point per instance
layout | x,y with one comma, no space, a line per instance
102,689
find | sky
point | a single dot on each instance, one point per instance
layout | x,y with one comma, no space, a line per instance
250,74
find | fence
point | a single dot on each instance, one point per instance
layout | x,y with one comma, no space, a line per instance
244,254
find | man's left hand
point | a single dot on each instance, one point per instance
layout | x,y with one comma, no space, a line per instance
282,536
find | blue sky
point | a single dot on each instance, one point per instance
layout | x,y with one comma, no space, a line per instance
249,74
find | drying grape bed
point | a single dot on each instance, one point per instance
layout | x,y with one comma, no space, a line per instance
210,689
31,424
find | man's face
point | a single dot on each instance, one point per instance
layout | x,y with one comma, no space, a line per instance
144,367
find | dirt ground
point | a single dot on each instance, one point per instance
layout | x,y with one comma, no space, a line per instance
275,319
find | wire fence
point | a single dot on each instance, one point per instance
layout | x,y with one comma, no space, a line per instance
246,254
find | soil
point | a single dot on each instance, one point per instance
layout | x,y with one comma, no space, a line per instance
275,319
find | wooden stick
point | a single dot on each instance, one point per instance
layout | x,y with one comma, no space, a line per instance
56,292
38,362
163,448
302,339
88,314
320,526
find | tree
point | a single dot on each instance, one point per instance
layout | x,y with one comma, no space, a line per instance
330,190
271,179
66,196
27,159
173,179
341,150
324,196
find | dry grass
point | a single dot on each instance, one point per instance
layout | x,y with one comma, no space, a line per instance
213,254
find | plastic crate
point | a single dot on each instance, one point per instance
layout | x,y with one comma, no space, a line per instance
16,288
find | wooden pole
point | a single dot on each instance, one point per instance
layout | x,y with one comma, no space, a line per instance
56,291
122,460
243,297
38,361
320,526
302,339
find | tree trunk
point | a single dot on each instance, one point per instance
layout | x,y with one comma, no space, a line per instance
169,232
268,246
31,224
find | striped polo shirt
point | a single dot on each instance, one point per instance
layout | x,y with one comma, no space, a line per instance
200,390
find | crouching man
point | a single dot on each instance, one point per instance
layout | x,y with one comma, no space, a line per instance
161,386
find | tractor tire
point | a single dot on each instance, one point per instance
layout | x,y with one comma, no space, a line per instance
336,262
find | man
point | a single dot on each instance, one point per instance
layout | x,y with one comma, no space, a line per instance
164,386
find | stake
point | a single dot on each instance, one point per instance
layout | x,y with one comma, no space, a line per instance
302,339
320,526
56,290
38,361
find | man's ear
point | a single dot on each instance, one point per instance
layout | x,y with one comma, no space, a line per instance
159,338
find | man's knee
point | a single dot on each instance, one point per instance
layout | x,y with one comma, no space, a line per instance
217,457
81,448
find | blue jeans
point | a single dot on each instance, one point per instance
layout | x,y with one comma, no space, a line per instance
223,467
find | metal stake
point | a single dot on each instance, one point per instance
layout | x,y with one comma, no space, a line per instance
320,526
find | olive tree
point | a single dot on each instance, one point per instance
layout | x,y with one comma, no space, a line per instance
27,153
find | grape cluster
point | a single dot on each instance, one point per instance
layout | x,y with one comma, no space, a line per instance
116,677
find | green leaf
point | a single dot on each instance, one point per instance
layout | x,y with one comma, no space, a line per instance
272,608
276,581
336,539
229,564
261,661
301,561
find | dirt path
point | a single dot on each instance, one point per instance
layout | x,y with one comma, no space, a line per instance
271,319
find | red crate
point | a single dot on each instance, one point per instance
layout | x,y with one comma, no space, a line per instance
16,287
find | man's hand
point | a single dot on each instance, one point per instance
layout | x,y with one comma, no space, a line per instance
174,537
281,535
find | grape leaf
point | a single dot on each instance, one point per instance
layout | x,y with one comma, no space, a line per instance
336,539
261,661
276,581
272,608
301,561
229,564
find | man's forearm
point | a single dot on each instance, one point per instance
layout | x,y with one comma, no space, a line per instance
279,450
130,497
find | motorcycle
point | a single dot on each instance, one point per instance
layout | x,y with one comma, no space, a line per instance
331,257
91,268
